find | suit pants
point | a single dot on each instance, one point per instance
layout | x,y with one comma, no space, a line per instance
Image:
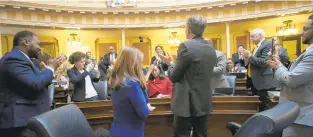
184,125
263,97
296,130
262,93
17,132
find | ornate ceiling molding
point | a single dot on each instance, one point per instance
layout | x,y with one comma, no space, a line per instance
162,8
15,16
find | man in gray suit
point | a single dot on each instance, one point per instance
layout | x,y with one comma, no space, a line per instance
297,85
260,75
218,80
191,73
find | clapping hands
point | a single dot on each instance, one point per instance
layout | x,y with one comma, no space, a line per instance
166,58
55,63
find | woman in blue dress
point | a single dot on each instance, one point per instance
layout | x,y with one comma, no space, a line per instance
129,99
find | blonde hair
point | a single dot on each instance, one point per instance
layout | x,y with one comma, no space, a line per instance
127,65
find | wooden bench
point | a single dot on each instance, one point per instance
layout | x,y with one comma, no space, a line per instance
160,121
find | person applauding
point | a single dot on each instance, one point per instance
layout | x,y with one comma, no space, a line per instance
82,78
23,86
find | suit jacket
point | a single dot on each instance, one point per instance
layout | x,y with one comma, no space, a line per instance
297,85
78,81
191,74
261,73
106,60
164,65
23,89
236,60
218,79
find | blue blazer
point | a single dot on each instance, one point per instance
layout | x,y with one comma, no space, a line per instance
78,81
129,110
23,89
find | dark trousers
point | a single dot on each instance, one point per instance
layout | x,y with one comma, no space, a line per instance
262,93
17,132
184,125
263,97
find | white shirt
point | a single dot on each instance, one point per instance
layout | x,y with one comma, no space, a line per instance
32,62
112,57
90,90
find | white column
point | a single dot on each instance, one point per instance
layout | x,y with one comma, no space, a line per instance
123,37
228,40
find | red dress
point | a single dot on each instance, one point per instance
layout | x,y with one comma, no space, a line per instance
159,86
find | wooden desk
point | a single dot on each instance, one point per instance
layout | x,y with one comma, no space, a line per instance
160,121
272,102
61,94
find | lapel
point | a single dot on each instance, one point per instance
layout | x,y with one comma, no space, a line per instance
257,53
297,61
77,72
24,58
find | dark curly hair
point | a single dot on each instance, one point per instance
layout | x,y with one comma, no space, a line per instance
76,56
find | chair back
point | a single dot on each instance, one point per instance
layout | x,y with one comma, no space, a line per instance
232,82
270,122
66,121
101,88
51,89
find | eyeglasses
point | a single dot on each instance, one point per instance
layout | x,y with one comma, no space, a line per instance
307,28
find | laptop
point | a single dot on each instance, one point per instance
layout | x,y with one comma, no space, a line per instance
224,91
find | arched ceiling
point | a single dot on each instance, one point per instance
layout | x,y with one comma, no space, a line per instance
141,6
40,13
139,3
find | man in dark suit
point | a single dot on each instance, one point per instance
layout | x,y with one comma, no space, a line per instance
109,59
191,75
260,75
237,57
23,87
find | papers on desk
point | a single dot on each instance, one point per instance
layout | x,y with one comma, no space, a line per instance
273,94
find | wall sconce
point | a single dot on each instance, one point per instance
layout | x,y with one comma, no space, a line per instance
288,28
173,39
75,44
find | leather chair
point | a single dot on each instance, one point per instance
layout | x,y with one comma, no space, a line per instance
51,89
66,121
101,88
269,123
232,82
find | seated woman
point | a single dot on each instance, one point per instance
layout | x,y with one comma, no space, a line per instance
159,50
129,101
81,78
159,86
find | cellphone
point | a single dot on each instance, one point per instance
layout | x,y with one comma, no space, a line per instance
273,47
